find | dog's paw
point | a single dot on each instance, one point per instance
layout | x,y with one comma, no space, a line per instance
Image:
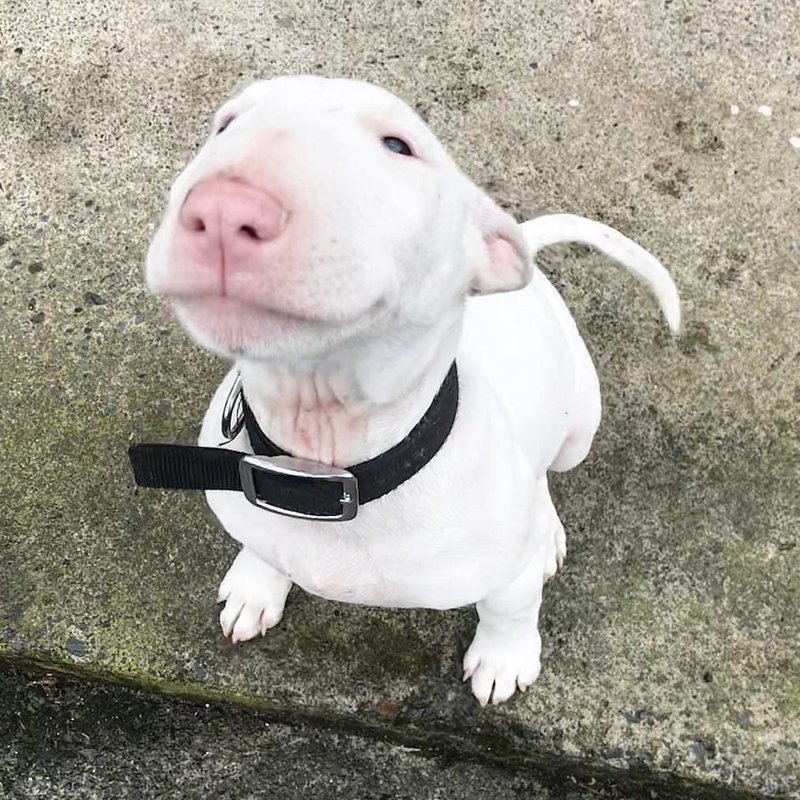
254,595
499,665
242,620
557,550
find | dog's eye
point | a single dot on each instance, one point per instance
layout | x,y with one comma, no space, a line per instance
397,145
224,124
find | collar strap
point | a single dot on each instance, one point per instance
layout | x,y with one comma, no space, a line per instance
274,480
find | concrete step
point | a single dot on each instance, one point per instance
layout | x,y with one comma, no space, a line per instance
671,639
63,739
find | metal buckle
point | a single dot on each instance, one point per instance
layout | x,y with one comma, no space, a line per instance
231,426
299,468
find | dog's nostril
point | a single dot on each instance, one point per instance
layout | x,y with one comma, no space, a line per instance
232,214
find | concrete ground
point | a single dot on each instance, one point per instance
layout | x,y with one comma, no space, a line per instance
61,739
671,639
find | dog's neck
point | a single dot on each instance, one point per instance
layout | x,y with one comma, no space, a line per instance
353,405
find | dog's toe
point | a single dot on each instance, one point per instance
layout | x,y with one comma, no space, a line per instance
229,615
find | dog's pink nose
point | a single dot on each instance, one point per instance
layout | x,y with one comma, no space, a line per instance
221,213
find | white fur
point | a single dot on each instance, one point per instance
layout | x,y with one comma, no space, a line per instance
344,334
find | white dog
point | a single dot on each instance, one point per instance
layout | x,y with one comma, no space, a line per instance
324,241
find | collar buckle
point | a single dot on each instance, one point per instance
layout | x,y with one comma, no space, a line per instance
290,470
233,411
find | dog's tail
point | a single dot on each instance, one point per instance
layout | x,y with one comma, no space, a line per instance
540,232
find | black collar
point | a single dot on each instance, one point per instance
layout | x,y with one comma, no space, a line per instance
274,480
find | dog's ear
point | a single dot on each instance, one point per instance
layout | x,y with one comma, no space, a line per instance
497,253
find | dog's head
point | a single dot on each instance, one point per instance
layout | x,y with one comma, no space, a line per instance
318,210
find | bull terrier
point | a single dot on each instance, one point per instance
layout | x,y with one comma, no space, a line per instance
406,374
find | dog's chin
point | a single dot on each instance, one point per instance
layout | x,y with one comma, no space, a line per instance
233,328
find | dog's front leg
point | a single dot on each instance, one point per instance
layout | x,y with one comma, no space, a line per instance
254,595
504,655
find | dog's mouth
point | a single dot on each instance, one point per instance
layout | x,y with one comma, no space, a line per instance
236,327
217,307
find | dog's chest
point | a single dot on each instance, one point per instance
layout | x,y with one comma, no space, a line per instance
388,556
441,539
